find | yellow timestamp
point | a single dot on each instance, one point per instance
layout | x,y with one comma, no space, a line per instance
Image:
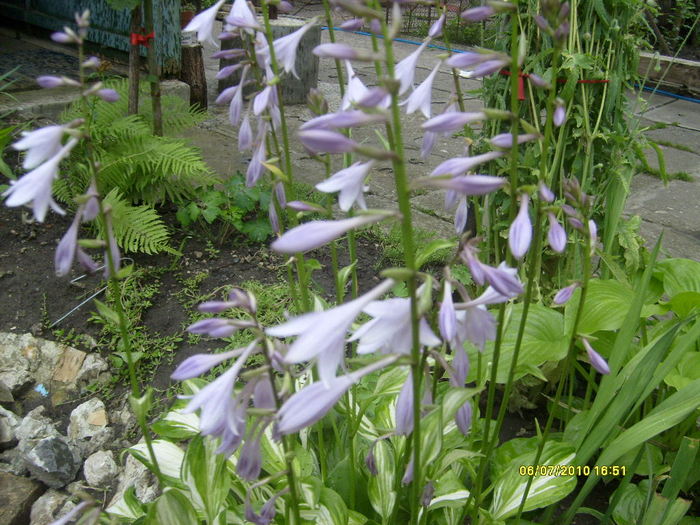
572,470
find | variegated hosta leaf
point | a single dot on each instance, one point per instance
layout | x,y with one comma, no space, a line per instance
331,510
168,456
449,492
381,487
545,489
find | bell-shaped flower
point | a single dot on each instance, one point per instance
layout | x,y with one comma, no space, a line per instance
466,184
242,17
343,119
40,145
447,316
274,218
350,183
476,324
597,361
477,14
460,165
538,81
374,97
390,330
404,408
280,195
336,51
355,89
262,100
86,261
545,193
50,81
463,418
245,135
35,186
203,23
314,401
428,144
108,95
436,29
216,399
452,121
421,98
563,295
227,71
65,251
353,24
504,280
405,70
198,364
250,459
559,113
505,140
315,234
256,167
520,233
556,236
322,334
461,216
218,327
326,141
286,48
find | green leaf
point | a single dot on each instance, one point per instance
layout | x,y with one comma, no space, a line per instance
380,488
544,340
425,253
687,371
258,230
685,303
210,213
107,314
173,508
631,503
205,474
127,506
545,489
177,425
678,275
449,492
606,305
168,456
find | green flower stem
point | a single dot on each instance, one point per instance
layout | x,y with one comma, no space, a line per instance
403,193
331,36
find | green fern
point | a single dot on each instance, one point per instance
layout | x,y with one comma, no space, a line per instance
137,228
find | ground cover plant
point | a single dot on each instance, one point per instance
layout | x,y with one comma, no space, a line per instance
385,402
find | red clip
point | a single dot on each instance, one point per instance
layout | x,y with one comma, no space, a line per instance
142,40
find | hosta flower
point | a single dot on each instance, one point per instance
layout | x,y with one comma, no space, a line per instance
242,17
404,408
405,70
467,184
315,234
350,183
563,295
65,252
505,140
262,100
322,334
35,186
460,165
250,459
556,237
559,113
520,233
447,316
390,330
274,219
477,14
337,51
353,24
108,95
421,98
478,65
437,27
313,402
217,327
286,48
452,121
198,364
256,167
355,89
545,193
463,418
503,279
538,81
245,135
50,82
203,23
428,144
326,141
40,145
343,119
597,361
461,216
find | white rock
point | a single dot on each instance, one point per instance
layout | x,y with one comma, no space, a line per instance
46,507
8,423
27,359
87,419
100,469
91,369
35,426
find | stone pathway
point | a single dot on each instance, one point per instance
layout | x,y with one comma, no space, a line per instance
671,208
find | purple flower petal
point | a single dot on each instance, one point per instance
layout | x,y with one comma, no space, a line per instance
556,235
545,193
405,70
463,418
447,317
505,140
203,23
108,95
452,121
325,141
460,165
477,14
317,233
404,408
198,364
436,29
65,252
564,294
520,233
461,216
421,98
349,182
468,184
336,51
597,360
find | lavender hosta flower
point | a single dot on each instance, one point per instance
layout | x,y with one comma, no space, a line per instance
545,193
255,166
353,24
65,251
50,82
326,141
436,29
505,140
203,23
408,474
274,219
466,184
67,36
447,316
374,97
460,165
597,361
245,135
263,395
228,54
538,81
108,95
227,71
281,195
563,295
336,51
314,401
242,17
267,512
35,186
593,232
559,113
404,408
452,121
463,418
520,233
216,327
421,98
262,100
460,365
556,237
477,14
322,334
303,206
370,460
286,48
476,324
503,279
86,261
350,183
542,23
40,145
92,63
405,70
312,235
250,459
428,143
198,364
390,329
461,216
343,119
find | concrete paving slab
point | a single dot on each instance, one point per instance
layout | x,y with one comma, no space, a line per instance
681,112
673,134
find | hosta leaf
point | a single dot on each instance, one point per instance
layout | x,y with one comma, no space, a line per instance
678,275
168,456
606,306
205,474
172,507
381,487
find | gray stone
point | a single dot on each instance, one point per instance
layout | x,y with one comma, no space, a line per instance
45,510
137,475
17,495
35,426
6,396
12,461
91,370
87,419
8,422
53,462
100,469
102,439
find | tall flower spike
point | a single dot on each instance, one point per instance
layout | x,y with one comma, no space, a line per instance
315,234
350,183
520,233
203,23
322,334
421,98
